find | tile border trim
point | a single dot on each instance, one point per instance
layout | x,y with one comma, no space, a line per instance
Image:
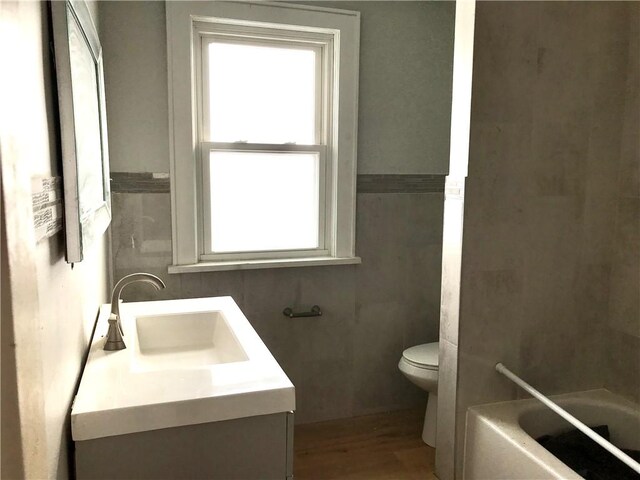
149,182
140,182
400,183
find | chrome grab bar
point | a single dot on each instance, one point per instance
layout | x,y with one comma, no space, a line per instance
611,448
314,312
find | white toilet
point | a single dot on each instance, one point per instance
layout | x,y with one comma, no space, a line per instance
420,365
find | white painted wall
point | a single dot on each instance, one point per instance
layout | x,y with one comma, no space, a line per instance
53,306
452,237
406,62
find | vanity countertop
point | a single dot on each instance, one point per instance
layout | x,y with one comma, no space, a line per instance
137,389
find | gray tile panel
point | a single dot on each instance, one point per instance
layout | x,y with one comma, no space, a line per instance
345,362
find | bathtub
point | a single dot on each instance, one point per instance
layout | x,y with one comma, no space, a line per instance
500,437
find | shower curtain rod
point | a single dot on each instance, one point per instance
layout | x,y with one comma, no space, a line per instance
619,454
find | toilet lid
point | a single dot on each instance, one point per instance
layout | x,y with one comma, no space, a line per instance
425,354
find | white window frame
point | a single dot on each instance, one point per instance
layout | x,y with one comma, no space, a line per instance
336,33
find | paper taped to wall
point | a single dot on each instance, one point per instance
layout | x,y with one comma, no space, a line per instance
46,198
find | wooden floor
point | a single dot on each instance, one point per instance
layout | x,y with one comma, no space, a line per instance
383,446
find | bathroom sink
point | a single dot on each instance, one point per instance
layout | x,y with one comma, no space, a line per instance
186,340
187,362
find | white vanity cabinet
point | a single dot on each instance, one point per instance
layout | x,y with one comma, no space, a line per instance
196,394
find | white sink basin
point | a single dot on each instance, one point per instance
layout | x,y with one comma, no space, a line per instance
187,362
185,341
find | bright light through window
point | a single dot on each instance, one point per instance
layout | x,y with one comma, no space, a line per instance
262,94
264,201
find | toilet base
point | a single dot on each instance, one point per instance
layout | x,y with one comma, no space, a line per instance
429,428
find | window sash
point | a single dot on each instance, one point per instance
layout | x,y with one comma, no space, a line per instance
324,201
322,44
204,35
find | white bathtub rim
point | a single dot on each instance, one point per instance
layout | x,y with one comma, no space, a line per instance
536,453
503,418
600,394
525,445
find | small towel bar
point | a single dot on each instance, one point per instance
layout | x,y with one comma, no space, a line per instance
314,312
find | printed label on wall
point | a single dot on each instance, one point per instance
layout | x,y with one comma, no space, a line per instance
46,197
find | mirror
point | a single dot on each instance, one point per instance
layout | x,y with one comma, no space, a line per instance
85,159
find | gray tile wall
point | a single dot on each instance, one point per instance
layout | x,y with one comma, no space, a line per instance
345,362
550,248
624,293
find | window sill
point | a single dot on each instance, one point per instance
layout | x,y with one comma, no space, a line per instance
256,264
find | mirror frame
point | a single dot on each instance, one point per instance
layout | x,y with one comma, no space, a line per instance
85,218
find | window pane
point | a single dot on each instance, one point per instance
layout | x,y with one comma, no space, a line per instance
264,201
262,94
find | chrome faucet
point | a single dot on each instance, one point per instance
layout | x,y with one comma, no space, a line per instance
114,335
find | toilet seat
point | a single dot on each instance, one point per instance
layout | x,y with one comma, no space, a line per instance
423,356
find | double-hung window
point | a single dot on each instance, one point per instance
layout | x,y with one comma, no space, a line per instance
263,101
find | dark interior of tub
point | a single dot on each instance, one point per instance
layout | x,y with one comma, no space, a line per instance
579,452
587,458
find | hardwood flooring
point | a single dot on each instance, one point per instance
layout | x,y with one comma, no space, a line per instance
375,447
